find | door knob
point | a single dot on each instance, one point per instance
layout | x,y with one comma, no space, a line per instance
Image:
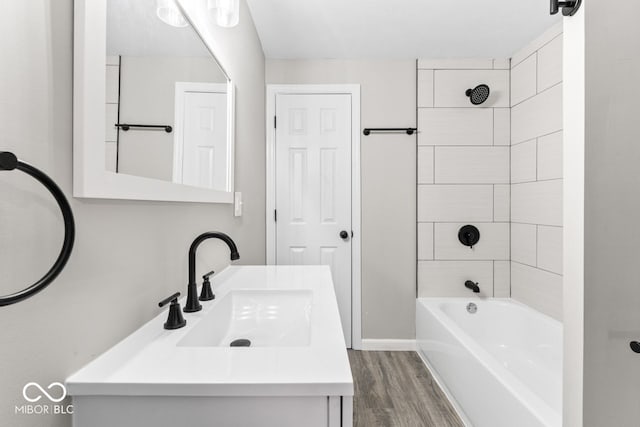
344,235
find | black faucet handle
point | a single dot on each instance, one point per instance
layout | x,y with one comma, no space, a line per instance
206,294
170,299
175,319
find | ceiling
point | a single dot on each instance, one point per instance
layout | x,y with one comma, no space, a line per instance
133,29
398,29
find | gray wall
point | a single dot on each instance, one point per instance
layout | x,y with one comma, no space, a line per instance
388,163
611,209
128,255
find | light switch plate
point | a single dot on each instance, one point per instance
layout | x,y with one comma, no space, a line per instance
237,204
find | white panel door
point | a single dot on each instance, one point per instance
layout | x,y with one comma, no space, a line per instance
202,137
313,188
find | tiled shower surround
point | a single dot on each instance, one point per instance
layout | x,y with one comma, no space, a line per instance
497,166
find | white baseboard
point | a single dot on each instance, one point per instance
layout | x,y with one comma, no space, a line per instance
388,345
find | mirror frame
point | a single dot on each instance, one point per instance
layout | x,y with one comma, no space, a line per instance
90,177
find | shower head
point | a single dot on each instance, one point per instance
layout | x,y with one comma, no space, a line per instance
479,94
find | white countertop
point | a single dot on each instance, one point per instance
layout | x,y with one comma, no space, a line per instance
149,363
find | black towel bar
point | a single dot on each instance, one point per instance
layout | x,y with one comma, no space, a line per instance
126,126
408,131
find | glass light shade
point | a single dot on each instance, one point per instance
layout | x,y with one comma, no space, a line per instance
227,13
168,12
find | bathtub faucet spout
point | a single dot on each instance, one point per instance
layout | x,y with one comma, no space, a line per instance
473,286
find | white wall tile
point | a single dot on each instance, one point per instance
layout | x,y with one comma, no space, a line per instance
455,126
455,203
502,203
537,288
536,44
425,88
523,80
111,118
471,165
493,243
550,156
446,278
455,64
501,279
501,126
550,248
523,243
537,202
523,162
112,83
502,64
110,156
425,165
550,64
425,240
537,116
451,85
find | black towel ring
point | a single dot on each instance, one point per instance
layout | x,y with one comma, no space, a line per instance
8,162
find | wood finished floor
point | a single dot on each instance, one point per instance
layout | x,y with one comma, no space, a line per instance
395,389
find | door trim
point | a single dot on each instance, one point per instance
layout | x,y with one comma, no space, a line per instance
356,263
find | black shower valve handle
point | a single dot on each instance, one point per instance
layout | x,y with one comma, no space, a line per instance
469,235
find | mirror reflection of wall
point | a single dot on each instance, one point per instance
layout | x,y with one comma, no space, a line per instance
162,75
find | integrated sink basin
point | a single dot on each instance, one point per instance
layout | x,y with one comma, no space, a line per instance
266,318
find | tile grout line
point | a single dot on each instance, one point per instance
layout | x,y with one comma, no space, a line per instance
510,170
533,96
538,48
537,268
527,140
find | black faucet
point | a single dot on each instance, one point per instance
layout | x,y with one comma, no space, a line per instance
193,304
473,286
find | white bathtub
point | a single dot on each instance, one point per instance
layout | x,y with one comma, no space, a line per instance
502,366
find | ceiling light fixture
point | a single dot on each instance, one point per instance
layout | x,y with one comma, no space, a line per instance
227,12
169,13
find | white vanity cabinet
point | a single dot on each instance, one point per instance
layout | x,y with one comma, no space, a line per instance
156,411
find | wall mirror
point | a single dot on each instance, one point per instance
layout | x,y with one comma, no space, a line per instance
153,108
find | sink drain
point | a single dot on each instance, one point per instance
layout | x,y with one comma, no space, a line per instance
242,342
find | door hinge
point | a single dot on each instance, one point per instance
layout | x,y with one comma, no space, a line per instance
275,215
275,122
